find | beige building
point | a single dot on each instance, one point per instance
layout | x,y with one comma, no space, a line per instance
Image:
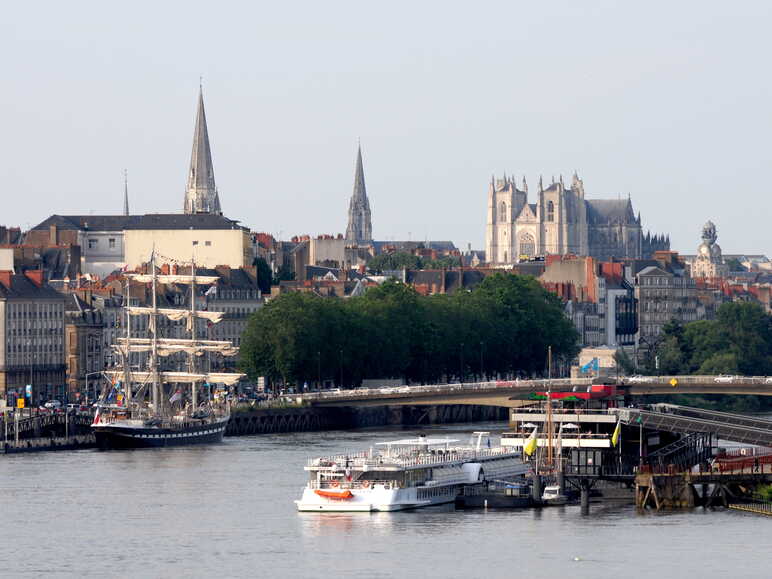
212,239
561,222
709,261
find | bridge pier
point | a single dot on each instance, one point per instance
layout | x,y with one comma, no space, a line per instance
584,496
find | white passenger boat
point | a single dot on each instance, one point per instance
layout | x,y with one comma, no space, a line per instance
405,474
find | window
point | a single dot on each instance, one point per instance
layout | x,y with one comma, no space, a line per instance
92,243
503,212
111,243
195,242
208,243
550,211
527,245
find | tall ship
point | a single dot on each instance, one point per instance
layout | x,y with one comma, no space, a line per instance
405,474
147,406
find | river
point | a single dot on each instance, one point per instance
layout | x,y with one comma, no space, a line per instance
228,511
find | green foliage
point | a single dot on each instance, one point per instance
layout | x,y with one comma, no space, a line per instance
503,326
738,341
392,261
264,275
400,260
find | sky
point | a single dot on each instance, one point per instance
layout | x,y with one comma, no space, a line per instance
668,102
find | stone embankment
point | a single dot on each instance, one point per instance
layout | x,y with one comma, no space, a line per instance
50,443
246,421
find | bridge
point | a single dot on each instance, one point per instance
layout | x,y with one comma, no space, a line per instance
512,393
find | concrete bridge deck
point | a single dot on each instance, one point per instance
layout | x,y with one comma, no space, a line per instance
510,393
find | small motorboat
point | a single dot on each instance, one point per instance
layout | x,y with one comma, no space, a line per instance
553,496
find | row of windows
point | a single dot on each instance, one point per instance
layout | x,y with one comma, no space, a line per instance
93,243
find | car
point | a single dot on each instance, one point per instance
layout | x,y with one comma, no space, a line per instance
724,378
768,380
638,379
52,405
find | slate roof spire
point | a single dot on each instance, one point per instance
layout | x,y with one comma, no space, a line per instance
125,192
359,227
201,192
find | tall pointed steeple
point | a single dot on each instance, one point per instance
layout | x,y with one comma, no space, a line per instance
359,227
201,192
125,192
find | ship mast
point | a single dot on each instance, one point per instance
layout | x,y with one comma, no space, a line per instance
153,326
192,355
127,357
550,425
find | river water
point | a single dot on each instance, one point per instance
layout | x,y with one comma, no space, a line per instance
227,511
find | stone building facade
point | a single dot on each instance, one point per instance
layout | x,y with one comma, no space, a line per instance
709,262
31,337
360,228
561,222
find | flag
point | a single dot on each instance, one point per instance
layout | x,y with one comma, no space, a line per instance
96,416
617,432
592,365
211,291
531,444
176,396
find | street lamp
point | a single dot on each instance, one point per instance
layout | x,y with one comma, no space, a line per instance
461,373
341,367
482,366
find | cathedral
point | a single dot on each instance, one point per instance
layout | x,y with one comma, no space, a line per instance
360,228
562,222
201,192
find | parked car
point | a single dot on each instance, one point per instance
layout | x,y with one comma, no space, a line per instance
724,378
52,405
768,380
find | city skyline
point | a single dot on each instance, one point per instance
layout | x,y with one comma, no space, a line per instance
435,119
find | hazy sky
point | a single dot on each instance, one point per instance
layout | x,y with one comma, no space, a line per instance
667,101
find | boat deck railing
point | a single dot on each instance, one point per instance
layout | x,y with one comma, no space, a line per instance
407,459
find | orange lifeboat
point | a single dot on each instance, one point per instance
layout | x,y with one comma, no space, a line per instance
338,495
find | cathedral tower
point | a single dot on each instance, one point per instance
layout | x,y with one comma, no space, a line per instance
201,192
360,228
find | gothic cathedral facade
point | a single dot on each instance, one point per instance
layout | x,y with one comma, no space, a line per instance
561,222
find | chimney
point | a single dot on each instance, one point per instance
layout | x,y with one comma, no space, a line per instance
52,233
5,278
35,276
165,269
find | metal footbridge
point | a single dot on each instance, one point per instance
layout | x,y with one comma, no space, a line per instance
687,420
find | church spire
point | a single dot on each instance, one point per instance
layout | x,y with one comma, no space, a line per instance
201,192
125,192
359,227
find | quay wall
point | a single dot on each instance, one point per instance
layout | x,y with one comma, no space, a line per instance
48,443
307,419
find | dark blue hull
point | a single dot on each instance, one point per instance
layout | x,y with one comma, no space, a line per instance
110,436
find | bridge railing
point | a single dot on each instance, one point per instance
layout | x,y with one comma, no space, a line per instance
454,387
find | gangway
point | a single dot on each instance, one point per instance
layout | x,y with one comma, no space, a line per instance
673,422
727,417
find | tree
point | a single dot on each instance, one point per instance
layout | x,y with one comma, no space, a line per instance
505,325
264,275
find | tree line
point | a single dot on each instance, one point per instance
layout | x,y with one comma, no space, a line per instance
502,327
402,260
738,341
